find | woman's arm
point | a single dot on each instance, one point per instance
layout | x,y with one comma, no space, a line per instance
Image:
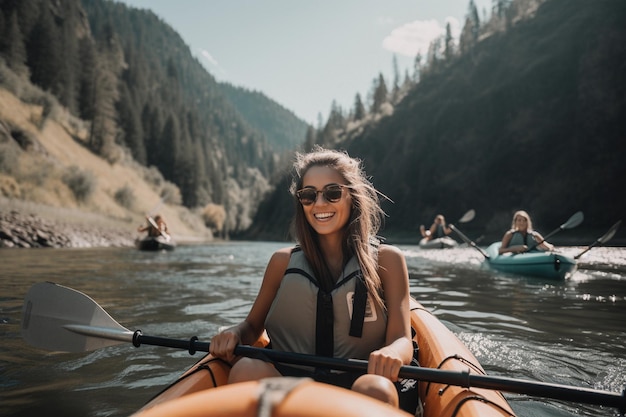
398,351
432,231
248,331
543,245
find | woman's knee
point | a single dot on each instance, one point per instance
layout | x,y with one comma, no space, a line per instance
247,369
378,387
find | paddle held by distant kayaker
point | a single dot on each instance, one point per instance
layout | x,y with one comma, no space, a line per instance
155,226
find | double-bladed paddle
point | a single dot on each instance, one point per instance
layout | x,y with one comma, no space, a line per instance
156,226
469,241
576,219
467,217
59,318
602,239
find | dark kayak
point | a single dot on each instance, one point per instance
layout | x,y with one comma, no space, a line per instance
158,243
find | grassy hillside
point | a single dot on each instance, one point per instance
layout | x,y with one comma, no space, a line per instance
35,160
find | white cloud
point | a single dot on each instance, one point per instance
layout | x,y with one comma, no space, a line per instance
207,56
414,37
211,64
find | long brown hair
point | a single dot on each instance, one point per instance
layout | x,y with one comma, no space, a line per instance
359,235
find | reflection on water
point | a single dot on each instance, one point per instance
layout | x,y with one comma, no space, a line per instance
570,332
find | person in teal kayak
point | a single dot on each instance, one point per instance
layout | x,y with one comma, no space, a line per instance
437,229
521,236
340,292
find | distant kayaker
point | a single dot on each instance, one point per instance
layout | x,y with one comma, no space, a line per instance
437,229
339,293
156,227
521,236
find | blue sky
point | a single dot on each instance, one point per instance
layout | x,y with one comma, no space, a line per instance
305,54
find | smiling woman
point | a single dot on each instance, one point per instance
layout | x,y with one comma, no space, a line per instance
331,285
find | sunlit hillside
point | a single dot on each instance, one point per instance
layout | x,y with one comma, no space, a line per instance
36,170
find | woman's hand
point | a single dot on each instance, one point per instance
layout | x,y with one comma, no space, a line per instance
224,343
385,362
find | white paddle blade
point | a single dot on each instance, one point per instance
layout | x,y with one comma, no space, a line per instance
52,314
609,235
468,217
576,219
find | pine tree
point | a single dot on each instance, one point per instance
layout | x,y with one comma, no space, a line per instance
169,150
87,79
434,54
309,139
69,79
104,127
16,50
336,119
152,129
4,24
417,67
448,50
44,53
395,91
499,7
381,95
131,132
408,82
475,21
359,108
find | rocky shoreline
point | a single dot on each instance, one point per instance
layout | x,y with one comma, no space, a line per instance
19,230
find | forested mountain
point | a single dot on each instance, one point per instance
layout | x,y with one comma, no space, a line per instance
134,80
532,116
527,110
282,128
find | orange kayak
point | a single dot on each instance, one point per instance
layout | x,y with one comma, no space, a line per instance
202,390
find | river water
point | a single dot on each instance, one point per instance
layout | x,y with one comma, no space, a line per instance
571,332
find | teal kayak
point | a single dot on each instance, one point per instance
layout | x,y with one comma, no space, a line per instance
542,264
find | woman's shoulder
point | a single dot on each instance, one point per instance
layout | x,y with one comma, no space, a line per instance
386,247
277,264
284,252
283,255
388,252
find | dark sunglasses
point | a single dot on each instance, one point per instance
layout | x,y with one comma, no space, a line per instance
332,193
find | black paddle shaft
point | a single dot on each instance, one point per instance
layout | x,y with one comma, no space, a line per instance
462,379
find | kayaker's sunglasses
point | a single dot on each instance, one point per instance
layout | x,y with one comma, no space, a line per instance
332,193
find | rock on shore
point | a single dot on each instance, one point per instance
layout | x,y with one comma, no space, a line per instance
18,230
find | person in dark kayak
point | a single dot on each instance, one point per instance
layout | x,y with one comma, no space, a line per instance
521,236
437,229
339,292
156,227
